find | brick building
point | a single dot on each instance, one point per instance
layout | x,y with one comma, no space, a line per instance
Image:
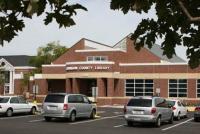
119,72
13,69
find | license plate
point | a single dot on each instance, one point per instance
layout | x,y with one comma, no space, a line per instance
137,119
137,112
52,108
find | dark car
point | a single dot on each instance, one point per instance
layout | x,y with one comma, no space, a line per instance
197,113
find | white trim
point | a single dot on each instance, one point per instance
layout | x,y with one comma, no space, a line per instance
90,62
149,64
38,76
8,66
24,67
99,50
54,65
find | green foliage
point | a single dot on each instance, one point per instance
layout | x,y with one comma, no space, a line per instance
13,13
47,54
172,25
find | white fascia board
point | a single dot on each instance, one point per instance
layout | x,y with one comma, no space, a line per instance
38,76
100,50
90,62
24,67
54,65
149,64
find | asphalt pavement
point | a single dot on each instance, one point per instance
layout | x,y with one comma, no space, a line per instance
108,121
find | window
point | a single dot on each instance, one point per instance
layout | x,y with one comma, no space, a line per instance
75,99
198,88
4,99
22,100
55,98
14,100
97,58
177,88
140,102
139,87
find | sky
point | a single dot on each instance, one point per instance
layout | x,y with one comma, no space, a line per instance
99,23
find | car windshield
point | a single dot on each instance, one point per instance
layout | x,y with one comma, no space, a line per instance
172,103
4,99
140,102
55,98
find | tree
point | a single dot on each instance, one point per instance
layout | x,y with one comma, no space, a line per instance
13,13
177,23
47,54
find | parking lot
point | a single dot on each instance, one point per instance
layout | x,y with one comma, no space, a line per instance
110,121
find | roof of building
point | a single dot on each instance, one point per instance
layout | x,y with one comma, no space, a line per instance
18,60
156,49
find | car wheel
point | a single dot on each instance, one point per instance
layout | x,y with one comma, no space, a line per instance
9,112
158,122
47,119
179,116
93,113
130,123
72,117
33,111
171,119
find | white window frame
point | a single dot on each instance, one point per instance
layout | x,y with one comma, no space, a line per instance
134,87
94,57
177,91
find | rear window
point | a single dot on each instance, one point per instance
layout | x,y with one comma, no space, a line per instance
140,102
55,98
172,103
4,100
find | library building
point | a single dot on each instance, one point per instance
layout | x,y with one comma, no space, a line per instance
113,74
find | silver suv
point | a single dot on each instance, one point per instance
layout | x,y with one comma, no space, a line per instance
71,106
148,109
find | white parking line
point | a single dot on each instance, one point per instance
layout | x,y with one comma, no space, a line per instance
120,126
177,124
103,118
36,120
16,117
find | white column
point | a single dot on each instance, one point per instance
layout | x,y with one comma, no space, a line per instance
11,90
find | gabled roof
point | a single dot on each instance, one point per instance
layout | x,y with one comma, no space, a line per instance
156,49
18,60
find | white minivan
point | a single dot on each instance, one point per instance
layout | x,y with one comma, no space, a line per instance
10,105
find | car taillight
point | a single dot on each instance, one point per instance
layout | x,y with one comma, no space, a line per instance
197,109
65,107
153,110
125,110
173,108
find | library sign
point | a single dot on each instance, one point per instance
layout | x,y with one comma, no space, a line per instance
82,68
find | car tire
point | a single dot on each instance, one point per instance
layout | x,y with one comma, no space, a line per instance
33,111
72,117
9,112
178,116
93,114
171,119
158,122
47,119
129,123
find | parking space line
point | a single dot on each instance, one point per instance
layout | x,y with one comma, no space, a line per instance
17,117
120,126
103,118
177,124
36,120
